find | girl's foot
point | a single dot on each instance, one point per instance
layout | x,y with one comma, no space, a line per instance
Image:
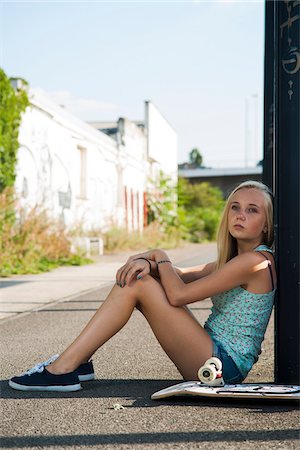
38,379
85,371
42,380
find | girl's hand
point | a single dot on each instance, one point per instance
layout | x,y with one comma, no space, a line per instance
153,255
149,254
138,266
133,270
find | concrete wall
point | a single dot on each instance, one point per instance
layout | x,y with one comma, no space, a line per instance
162,142
134,168
80,174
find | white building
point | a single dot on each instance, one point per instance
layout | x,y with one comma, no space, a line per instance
85,177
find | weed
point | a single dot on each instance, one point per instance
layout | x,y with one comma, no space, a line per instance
29,241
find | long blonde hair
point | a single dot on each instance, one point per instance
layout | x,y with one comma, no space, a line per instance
227,245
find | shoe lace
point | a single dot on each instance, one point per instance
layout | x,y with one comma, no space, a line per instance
40,366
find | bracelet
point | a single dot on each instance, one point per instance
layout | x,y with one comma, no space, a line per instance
145,259
162,261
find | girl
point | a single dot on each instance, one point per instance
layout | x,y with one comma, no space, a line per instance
241,284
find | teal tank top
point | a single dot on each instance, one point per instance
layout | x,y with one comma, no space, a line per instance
238,321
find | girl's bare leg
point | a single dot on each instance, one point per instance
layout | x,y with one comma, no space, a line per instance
186,343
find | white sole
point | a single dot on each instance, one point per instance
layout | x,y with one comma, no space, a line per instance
88,377
21,387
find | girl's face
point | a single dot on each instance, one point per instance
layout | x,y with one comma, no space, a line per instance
247,216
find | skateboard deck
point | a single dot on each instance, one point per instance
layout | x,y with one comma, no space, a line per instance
238,391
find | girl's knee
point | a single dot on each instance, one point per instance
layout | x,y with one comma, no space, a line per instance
136,288
149,290
147,284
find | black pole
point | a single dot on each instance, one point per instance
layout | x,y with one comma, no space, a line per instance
269,97
287,188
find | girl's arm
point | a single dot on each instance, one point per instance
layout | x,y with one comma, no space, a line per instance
188,274
236,272
136,265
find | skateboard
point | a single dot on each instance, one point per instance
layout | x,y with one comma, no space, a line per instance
238,391
211,384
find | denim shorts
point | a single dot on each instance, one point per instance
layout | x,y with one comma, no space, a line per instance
231,373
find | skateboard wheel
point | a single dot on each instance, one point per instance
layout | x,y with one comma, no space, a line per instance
207,373
215,361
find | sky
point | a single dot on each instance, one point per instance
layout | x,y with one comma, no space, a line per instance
199,62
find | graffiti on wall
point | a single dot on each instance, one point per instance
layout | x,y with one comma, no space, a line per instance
290,36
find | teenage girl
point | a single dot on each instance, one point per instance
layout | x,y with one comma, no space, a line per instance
241,284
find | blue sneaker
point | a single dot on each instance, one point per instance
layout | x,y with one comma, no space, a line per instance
86,372
42,380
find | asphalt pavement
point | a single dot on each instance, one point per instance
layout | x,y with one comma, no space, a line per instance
41,314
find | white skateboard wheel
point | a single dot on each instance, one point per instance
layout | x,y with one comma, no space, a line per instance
216,361
207,373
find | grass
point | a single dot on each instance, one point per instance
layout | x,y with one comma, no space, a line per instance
153,236
30,242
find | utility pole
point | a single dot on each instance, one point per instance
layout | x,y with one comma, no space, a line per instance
247,132
255,127
281,173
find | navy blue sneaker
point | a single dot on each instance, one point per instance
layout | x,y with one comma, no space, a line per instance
86,372
42,380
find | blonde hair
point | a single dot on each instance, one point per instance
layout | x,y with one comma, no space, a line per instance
227,245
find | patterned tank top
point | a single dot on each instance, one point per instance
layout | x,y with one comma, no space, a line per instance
238,321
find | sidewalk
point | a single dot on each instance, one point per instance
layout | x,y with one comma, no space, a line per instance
115,411
24,293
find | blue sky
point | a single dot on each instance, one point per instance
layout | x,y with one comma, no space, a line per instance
200,62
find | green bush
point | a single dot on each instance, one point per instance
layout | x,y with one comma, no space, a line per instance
199,209
12,104
186,211
162,203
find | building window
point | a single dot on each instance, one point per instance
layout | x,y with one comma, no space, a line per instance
132,209
126,206
138,210
82,172
145,209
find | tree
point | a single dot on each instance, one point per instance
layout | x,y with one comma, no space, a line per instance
12,104
195,158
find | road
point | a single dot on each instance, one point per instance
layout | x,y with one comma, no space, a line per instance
115,411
